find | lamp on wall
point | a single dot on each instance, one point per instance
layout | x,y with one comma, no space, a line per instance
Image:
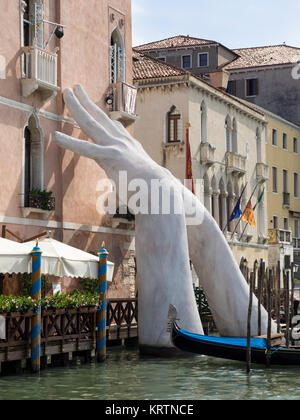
59,33
109,99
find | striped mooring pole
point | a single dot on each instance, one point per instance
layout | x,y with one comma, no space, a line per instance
101,315
36,295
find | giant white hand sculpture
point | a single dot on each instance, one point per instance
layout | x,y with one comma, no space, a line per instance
164,274
162,240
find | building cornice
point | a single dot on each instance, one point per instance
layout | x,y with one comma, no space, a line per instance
260,68
195,82
40,112
52,224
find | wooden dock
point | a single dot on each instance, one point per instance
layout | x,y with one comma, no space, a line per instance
66,333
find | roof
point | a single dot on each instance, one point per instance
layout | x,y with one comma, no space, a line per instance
145,67
173,42
264,56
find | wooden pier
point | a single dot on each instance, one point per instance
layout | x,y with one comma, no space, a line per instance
66,333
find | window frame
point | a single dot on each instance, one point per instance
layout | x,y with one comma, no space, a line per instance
234,87
175,118
275,190
274,131
246,87
296,230
191,61
295,142
296,191
285,140
275,225
198,60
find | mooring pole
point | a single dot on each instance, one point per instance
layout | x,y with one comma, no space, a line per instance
36,320
269,309
101,314
249,324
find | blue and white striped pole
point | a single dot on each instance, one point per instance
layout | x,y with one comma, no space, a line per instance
36,320
101,315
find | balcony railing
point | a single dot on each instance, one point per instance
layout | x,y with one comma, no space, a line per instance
236,163
262,172
279,236
124,103
39,72
207,154
286,199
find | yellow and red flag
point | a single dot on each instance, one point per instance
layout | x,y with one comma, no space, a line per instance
248,215
189,164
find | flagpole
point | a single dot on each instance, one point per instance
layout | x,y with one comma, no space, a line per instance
253,210
224,230
244,211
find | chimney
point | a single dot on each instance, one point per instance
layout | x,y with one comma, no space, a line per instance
219,79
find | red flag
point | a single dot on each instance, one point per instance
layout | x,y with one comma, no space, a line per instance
189,164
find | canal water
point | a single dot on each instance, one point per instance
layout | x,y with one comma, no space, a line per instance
127,375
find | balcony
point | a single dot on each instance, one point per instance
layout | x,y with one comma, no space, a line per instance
235,163
43,203
286,199
280,236
39,72
207,154
123,106
262,172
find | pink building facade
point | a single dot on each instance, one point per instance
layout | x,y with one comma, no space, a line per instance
46,47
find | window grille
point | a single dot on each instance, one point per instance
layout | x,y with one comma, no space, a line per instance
117,64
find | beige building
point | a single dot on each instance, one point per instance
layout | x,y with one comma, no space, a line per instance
283,191
47,46
227,140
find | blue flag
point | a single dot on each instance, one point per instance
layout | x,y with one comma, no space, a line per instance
237,212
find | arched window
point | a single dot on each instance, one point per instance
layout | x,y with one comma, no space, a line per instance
117,57
258,145
33,158
174,125
228,129
230,205
234,136
204,134
222,205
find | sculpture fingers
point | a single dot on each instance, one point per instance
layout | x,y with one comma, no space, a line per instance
114,128
83,147
87,123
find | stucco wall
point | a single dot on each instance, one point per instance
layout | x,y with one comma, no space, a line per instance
278,91
83,57
153,106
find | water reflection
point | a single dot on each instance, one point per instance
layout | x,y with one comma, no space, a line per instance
128,375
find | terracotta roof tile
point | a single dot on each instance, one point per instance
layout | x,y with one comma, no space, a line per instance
173,42
145,67
264,56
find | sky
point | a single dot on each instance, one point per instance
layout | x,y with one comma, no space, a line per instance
233,23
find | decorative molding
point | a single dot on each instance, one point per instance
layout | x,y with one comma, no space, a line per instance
40,112
52,224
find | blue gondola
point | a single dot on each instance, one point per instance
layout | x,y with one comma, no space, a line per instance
233,348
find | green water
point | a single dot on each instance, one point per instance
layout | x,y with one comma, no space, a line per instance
126,375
